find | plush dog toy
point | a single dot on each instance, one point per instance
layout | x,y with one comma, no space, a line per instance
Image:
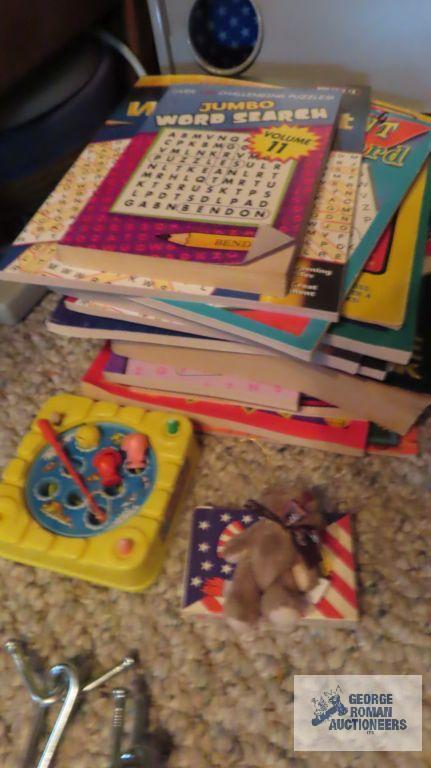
277,558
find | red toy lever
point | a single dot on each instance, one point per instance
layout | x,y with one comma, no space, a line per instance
51,438
107,461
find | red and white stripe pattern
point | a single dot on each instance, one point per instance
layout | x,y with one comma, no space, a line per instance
339,604
231,530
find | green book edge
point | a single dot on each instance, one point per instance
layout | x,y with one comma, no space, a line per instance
389,338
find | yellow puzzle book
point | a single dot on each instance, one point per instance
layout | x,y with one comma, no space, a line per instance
380,294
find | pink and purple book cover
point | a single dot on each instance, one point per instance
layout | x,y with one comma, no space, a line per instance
347,437
170,378
212,168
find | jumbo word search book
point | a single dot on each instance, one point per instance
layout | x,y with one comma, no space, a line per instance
315,281
217,187
33,258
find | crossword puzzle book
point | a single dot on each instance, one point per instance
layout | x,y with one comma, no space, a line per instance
217,187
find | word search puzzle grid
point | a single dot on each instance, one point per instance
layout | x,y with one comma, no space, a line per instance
329,228
206,176
72,193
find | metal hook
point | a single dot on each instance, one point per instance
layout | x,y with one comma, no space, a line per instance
38,692
65,686
67,671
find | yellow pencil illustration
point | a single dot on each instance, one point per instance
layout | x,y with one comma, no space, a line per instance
202,240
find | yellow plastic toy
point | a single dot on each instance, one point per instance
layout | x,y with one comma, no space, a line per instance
45,518
87,437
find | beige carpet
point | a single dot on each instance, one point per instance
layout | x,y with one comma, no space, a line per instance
227,701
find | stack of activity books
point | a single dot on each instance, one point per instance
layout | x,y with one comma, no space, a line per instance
253,256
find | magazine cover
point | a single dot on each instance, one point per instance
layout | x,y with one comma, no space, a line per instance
388,344
380,294
218,187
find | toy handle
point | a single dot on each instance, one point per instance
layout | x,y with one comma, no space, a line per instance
51,438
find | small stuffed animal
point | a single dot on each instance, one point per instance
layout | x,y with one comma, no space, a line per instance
277,558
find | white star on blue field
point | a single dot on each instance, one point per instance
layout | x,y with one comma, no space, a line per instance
208,524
